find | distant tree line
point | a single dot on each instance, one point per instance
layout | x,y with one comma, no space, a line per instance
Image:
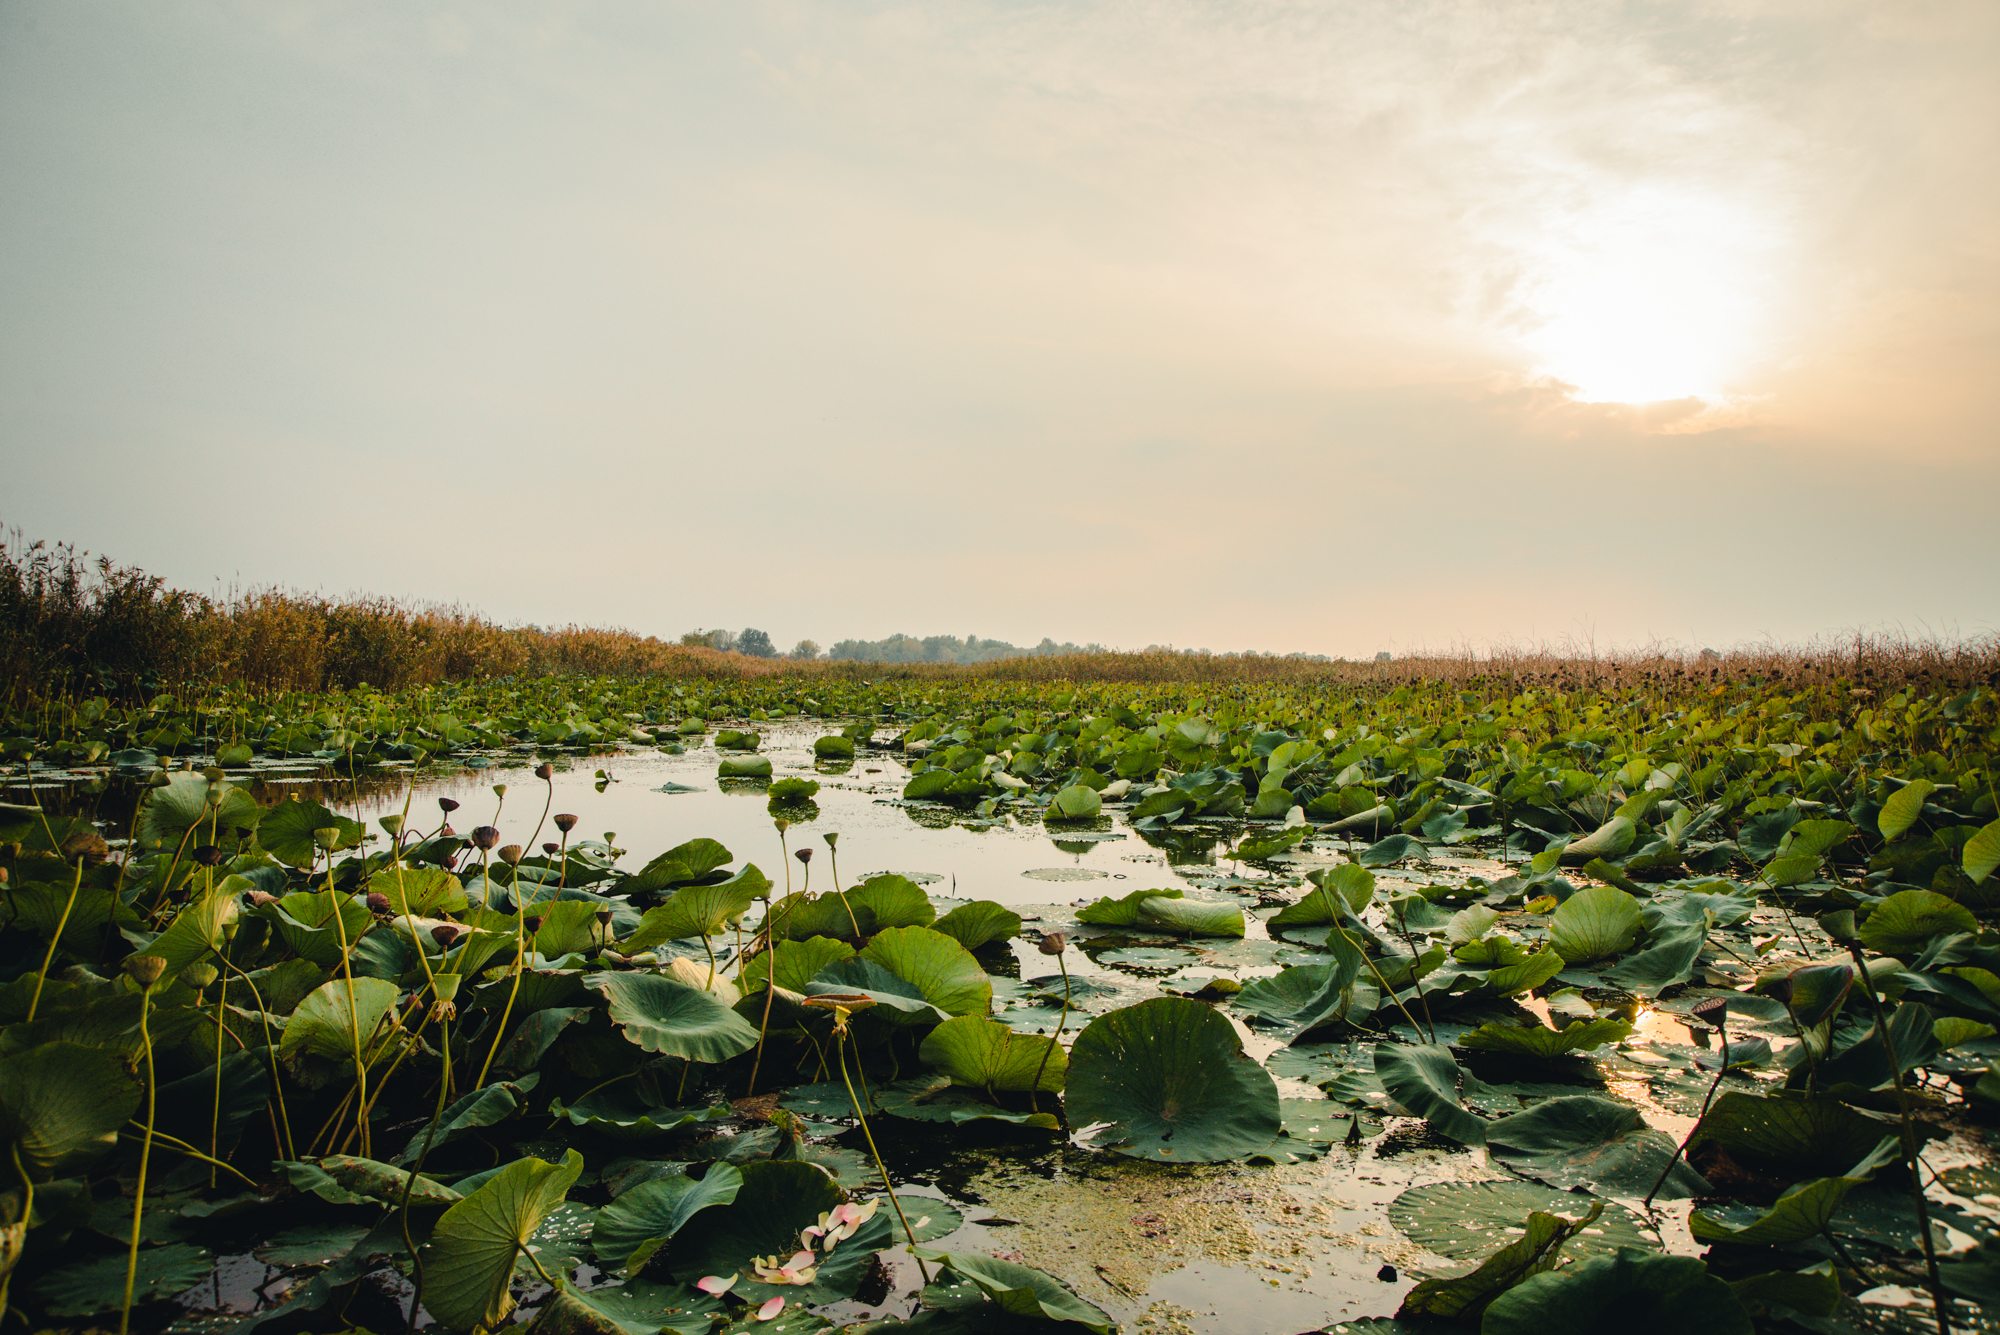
894,649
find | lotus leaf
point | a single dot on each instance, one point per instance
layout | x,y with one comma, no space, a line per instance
1635,1291
680,865
1391,850
1170,1079
488,1106
1902,808
979,923
898,1002
630,1229
1982,854
62,1104
1024,1292
775,1200
1425,1079
1668,960
1166,911
664,1016
877,903
744,767
197,930
90,1287
286,831
189,807
1609,840
1595,923
1803,1136
1464,1297
792,790
698,910
1814,1291
797,962
834,748
1905,922
1539,1041
326,1023
1582,1138
978,1052
1074,803
469,1260
424,892
1463,1220
939,967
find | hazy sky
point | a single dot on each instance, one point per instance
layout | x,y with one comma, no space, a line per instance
1319,326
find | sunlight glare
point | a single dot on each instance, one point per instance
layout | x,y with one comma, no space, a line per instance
1653,296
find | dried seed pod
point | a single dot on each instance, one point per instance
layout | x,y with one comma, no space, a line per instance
447,932
447,805
804,855
565,821
545,771
1714,1012
206,855
532,923
485,837
512,854
379,905
550,848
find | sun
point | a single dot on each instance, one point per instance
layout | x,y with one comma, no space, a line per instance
1655,294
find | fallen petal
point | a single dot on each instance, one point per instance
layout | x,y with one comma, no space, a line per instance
717,1284
770,1310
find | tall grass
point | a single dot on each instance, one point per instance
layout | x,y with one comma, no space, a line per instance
72,625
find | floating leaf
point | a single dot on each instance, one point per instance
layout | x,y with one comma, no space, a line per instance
1170,1078
1634,1290
1022,1291
1581,1138
1166,911
1425,1079
629,1230
979,923
90,1287
1464,1297
469,1260
1463,1220
1539,1041
1905,922
939,967
1902,808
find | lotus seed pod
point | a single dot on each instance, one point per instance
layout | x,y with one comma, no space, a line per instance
512,854
447,805
500,790
603,917
804,855
258,898
1052,943
145,970
445,985
158,779
207,855
532,923
550,848
485,837
447,932
782,824
199,974
1713,1012
391,824
379,905
833,840
326,837
565,821
545,771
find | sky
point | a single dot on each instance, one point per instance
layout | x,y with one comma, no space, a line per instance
1321,327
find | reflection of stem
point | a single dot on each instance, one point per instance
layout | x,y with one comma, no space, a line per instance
1055,1042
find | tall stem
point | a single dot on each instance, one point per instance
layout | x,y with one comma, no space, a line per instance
145,1160
61,924
353,1012
840,1055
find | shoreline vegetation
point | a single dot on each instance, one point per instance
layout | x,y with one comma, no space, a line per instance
73,625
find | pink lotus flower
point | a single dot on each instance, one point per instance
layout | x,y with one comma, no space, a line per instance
716,1284
770,1310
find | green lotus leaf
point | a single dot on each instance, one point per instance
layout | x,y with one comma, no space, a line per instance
286,831
1391,850
1425,1079
679,865
834,748
1593,924
664,1016
1258,847
855,914
621,1112
469,1260
1463,1220
698,910
1902,809
1640,1292
939,967
1608,840
1668,960
979,923
1982,854
347,1179
1464,1297
630,1229
1305,997
197,930
189,807
1023,1292
1526,974
1581,1138
304,921
730,739
90,1287
1075,802
898,1002
326,1023
484,1107
791,790
1801,1213
744,767
983,1054
1799,1136
1353,884
1166,911
1814,1291
1540,1041
1905,922
423,892
62,1105
775,1200
1170,1078
798,962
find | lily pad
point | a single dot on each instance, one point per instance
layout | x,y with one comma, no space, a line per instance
1634,1291
1170,1079
1463,1220
1581,1138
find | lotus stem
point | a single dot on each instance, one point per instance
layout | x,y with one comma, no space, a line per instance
500,1031
215,1112
62,924
180,1146
1062,962
145,1160
840,1055
277,1086
416,1167
353,1011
